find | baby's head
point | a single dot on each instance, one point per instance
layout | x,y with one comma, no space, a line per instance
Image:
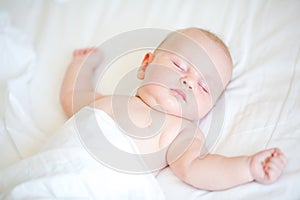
186,74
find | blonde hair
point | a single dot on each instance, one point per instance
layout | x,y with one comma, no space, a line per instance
208,34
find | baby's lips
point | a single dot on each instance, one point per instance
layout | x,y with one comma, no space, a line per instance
180,93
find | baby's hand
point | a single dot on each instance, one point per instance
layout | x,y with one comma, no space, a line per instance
88,58
266,166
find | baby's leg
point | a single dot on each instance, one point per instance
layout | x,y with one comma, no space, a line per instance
77,90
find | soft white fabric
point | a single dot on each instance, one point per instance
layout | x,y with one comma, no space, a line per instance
16,65
63,168
262,100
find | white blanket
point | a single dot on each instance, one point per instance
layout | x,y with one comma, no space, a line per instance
262,101
63,168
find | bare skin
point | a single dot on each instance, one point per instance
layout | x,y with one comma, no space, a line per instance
209,172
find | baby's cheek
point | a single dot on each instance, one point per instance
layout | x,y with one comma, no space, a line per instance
204,108
171,105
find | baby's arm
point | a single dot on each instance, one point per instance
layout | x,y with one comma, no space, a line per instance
77,90
216,172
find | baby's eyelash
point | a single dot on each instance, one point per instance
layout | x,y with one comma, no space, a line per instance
203,86
179,66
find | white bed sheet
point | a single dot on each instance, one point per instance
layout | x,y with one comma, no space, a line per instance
262,100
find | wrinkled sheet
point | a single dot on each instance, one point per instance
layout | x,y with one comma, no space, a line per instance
262,102
63,168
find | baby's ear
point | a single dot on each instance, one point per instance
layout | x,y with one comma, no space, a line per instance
146,61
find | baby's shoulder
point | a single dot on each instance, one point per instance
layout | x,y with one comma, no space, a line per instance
189,129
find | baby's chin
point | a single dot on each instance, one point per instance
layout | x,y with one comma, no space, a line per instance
187,116
195,116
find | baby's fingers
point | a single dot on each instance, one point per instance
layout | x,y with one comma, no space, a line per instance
273,168
263,155
283,159
278,162
271,173
277,154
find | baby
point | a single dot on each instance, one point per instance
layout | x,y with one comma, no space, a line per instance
181,81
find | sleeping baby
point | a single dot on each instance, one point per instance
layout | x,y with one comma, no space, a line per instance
181,82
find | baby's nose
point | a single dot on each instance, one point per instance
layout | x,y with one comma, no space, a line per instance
187,83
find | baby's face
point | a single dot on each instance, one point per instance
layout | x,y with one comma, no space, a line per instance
182,78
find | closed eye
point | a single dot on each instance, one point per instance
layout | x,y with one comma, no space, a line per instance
179,66
203,86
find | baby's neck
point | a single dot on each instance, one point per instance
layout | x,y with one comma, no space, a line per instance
158,108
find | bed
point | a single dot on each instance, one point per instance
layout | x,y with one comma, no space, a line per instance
261,108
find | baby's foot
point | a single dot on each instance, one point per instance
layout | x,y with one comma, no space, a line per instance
88,57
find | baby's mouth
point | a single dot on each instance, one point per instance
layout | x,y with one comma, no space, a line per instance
180,93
